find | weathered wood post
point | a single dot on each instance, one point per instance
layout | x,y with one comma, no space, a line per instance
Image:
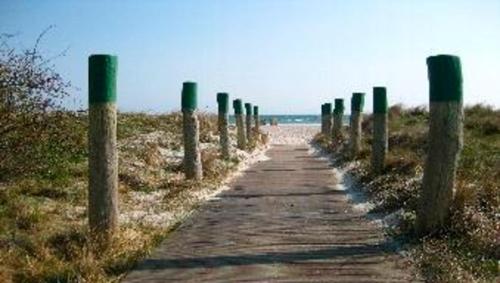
223,103
328,120
323,120
240,127
380,129
445,142
357,103
338,117
191,131
103,154
248,122
350,116
256,119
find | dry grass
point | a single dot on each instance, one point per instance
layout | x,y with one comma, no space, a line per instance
468,249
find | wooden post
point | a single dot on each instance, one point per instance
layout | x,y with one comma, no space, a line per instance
191,133
445,142
323,120
380,129
329,125
103,154
328,120
240,127
357,103
256,119
223,102
338,117
248,122
350,116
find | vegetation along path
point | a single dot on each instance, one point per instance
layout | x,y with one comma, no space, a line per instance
282,221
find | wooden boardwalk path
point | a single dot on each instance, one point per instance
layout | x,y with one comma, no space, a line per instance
282,221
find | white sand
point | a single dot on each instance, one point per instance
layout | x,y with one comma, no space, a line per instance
148,207
291,133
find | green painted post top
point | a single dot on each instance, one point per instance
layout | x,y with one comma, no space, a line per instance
328,108
357,101
238,106
189,99
223,102
248,108
339,105
102,78
379,99
445,78
256,110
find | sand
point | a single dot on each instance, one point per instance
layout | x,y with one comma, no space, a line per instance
293,134
148,207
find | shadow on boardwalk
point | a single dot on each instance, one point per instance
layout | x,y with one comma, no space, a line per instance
356,251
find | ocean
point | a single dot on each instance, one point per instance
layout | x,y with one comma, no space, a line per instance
292,119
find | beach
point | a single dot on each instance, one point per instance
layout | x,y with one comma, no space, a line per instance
292,134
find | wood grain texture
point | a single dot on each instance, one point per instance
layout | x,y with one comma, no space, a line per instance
192,155
337,126
103,170
248,124
355,134
380,142
327,122
445,144
240,132
223,135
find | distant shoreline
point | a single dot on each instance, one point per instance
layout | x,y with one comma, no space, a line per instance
303,119
298,124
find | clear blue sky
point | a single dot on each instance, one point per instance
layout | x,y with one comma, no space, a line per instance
287,56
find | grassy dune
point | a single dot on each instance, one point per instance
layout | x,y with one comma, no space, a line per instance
43,229
467,250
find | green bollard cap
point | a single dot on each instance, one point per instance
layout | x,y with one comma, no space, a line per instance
223,101
357,101
256,110
445,78
328,108
379,99
189,99
339,105
102,78
248,108
238,106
